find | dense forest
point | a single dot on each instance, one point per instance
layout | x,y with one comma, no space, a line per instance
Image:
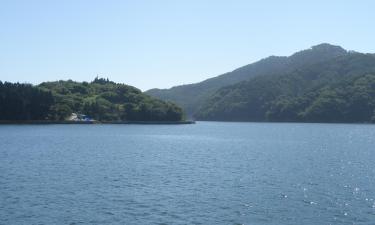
24,102
101,99
192,97
325,83
337,90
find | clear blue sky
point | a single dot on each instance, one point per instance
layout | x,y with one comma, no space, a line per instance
165,43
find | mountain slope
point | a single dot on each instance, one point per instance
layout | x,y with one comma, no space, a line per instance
336,90
191,97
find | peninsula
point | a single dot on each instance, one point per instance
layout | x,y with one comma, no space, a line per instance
70,102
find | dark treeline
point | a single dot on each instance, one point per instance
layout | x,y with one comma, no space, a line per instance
101,99
352,101
24,102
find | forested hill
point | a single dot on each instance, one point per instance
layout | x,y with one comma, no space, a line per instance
341,89
101,100
191,97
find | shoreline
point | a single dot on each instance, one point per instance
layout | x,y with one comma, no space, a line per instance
46,122
49,122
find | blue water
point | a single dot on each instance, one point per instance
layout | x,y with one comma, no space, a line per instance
207,173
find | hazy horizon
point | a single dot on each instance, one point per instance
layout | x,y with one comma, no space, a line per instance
159,45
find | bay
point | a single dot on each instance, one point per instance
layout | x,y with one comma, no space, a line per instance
206,173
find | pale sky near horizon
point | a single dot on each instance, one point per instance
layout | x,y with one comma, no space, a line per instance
159,44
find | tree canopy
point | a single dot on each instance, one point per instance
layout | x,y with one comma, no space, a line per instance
100,99
337,90
192,97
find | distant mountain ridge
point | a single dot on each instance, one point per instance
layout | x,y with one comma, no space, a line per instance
325,83
191,97
338,90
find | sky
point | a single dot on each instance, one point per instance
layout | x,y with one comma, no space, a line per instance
164,43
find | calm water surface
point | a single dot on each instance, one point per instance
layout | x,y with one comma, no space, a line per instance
207,173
